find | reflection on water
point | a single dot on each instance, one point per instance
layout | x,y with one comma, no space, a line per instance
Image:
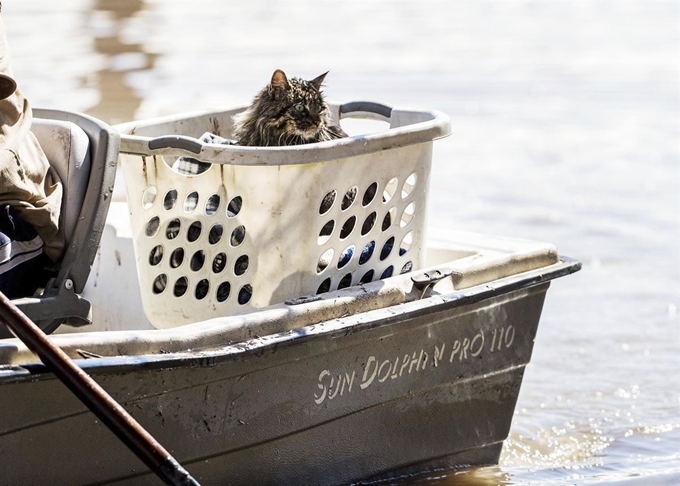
565,129
110,24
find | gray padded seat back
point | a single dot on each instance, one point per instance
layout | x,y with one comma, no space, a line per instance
67,148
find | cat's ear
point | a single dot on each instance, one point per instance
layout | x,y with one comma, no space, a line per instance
279,81
316,82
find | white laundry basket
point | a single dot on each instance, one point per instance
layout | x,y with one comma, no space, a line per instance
266,224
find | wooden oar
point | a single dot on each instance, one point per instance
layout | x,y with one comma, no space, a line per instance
95,397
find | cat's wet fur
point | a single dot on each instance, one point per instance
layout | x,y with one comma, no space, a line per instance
287,112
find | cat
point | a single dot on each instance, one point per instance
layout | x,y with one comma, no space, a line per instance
287,112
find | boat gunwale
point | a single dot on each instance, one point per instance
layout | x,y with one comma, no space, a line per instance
330,329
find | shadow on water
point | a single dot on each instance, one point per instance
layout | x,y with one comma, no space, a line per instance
110,18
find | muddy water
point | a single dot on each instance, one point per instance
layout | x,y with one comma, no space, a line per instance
565,128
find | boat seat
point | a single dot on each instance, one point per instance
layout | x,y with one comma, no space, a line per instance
84,152
67,148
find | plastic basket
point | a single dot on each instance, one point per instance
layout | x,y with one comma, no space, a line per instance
266,224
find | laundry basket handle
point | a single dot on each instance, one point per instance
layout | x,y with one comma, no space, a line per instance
366,109
176,141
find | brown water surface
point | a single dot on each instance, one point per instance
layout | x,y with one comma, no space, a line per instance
566,128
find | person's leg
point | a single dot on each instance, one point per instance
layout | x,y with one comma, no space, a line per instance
22,261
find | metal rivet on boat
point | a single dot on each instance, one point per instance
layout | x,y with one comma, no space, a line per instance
68,284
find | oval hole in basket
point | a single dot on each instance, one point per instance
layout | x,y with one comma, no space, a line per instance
159,284
245,294
149,197
406,243
152,226
241,265
407,267
349,198
389,219
234,206
387,248
369,194
197,260
191,202
238,235
219,262
345,281
173,228
324,287
156,255
407,215
177,257
387,273
368,277
325,260
194,231
180,287
223,291
326,232
212,205
390,189
409,185
366,253
215,234
202,289
346,256
369,222
348,227
170,199
327,202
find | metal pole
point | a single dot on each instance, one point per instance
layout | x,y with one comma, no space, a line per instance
95,397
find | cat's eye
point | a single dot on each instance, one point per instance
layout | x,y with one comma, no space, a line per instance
300,107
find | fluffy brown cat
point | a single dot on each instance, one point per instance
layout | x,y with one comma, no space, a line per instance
287,112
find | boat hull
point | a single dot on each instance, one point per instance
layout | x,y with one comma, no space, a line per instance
429,384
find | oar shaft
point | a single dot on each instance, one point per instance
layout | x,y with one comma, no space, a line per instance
95,397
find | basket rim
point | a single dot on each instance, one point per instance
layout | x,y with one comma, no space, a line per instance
408,127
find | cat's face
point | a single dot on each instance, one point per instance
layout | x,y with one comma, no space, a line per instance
302,109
